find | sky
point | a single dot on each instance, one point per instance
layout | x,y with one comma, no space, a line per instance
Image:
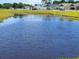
25,1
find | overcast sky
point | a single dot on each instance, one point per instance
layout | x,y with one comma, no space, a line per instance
25,1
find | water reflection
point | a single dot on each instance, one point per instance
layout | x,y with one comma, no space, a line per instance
18,15
71,18
38,37
1,21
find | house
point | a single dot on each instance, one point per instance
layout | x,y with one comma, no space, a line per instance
11,8
70,6
61,7
40,7
28,7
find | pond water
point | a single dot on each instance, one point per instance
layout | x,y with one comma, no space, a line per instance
38,37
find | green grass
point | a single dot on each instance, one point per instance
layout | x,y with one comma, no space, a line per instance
4,13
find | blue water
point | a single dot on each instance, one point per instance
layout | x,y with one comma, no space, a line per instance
38,37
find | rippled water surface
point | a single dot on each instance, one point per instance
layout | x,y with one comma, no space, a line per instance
38,37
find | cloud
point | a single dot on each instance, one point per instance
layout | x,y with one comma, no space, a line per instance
25,1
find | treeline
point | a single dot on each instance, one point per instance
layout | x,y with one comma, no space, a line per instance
63,1
13,5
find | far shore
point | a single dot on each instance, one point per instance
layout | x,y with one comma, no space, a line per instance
4,13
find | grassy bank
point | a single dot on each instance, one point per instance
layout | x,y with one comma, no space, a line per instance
68,58
4,13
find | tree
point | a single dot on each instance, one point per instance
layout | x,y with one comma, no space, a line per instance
20,5
62,1
7,5
0,5
48,4
36,4
29,5
71,1
56,2
15,5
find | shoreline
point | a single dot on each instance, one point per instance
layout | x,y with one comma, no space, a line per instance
4,13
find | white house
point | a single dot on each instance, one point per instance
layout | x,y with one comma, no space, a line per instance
40,7
28,7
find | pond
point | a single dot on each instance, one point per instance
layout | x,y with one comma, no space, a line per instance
38,37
